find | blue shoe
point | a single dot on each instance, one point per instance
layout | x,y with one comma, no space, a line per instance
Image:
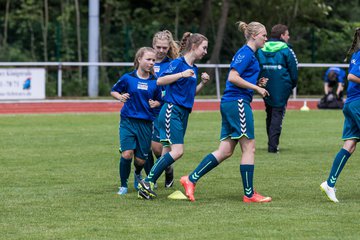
122,190
137,178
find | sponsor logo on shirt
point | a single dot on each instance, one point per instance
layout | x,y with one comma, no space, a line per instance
157,69
272,67
142,86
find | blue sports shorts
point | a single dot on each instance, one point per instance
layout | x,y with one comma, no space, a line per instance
237,120
351,129
135,134
173,121
155,130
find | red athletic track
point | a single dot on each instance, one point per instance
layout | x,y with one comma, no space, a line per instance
68,106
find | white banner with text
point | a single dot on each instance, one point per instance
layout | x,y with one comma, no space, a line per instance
22,83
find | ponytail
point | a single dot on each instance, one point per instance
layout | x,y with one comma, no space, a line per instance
189,39
355,44
250,29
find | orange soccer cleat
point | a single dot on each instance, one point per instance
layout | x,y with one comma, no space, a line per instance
256,197
189,187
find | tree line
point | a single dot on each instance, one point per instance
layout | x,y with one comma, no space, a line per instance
47,30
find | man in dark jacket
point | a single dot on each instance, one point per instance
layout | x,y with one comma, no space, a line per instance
278,63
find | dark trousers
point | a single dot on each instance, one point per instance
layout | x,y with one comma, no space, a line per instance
274,118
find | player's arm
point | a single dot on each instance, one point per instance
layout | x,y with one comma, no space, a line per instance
238,81
120,97
168,79
353,78
326,88
157,99
119,90
154,103
204,79
340,88
292,67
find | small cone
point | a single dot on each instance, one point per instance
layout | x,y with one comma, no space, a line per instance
177,195
305,107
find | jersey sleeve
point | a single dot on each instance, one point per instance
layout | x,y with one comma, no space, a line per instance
341,77
241,62
326,74
174,67
121,85
158,94
355,65
293,67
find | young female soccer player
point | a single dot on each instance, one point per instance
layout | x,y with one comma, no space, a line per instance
237,117
351,128
140,94
180,79
166,50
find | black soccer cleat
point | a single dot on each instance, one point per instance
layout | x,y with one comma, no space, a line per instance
146,188
143,195
169,176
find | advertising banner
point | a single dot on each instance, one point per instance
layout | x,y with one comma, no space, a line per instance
22,83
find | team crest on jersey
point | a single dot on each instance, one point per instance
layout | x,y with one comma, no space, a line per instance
239,58
142,86
156,69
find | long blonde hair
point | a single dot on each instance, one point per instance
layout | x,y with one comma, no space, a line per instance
173,45
139,54
355,44
189,39
250,29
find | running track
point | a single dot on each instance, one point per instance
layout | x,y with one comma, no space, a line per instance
90,106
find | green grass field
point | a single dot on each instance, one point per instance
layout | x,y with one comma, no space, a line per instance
59,176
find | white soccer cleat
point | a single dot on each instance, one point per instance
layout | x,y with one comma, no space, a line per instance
122,190
329,191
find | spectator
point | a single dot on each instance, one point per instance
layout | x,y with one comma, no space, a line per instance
278,63
334,76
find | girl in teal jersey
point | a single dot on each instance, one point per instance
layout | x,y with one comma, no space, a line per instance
166,50
237,118
351,128
180,80
140,94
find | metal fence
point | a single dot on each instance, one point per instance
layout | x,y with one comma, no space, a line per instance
216,67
